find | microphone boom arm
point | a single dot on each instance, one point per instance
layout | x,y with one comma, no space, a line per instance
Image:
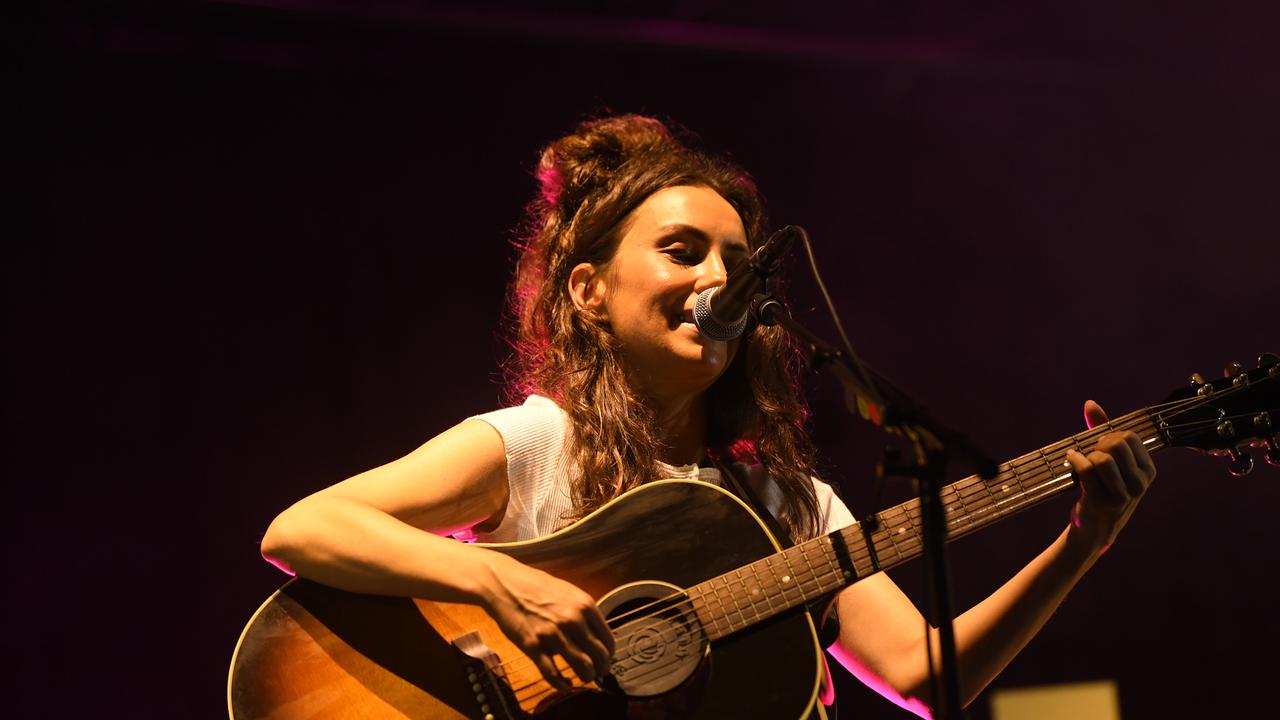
934,445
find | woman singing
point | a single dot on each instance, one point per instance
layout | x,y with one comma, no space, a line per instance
617,388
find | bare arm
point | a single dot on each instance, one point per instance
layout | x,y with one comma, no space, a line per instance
882,634
382,532
370,533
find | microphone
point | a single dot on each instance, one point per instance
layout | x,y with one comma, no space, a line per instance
721,312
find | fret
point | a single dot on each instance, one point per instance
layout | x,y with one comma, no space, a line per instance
730,600
717,618
702,608
835,576
702,598
1006,486
792,589
1010,488
1047,463
782,576
983,514
791,579
973,486
727,606
1075,440
760,589
964,515
973,508
854,543
1017,478
776,573
898,536
746,595
779,570
772,564
913,529
754,594
829,554
979,492
817,582
892,533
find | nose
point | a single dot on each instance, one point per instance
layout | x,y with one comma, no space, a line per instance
711,272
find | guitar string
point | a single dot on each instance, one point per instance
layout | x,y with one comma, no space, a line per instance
1021,501
544,688
828,576
1053,489
1056,483
1025,499
1030,497
547,689
1132,420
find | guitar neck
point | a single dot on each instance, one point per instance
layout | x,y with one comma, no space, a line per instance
810,570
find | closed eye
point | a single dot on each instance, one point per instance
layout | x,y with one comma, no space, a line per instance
684,256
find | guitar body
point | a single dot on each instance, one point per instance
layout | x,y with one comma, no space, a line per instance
315,652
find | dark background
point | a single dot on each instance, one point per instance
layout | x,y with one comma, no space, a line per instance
272,241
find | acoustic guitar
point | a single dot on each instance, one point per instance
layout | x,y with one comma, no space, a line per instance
708,613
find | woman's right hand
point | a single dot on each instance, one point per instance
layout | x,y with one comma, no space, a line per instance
545,617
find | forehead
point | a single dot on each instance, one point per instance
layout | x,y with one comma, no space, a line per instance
691,207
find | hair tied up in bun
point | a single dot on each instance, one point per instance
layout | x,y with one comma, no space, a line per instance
590,159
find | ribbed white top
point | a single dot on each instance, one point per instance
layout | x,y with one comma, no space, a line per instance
536,436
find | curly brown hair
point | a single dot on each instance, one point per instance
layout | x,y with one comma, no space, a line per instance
591,180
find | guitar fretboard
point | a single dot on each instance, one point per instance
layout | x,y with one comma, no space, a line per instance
812,569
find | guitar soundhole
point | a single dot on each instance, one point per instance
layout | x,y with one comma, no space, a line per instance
660,642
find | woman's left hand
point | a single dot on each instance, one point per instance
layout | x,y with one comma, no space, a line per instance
1113,477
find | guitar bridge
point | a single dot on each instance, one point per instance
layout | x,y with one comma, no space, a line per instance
486,676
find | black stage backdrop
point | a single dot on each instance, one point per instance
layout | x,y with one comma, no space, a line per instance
273,240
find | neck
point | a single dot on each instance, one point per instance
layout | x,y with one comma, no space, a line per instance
682,423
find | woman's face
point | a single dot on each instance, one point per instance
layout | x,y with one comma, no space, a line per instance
677,243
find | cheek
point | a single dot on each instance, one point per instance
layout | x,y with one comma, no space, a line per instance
653,288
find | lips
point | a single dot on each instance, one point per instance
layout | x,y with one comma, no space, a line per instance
680,318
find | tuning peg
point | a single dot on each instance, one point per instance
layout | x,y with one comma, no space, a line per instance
1273,451
1202,388
1241,462
1264,428
1232,370
1270,361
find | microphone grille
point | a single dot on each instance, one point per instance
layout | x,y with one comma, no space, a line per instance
708,325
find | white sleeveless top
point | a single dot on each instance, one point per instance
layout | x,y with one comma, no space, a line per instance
540,472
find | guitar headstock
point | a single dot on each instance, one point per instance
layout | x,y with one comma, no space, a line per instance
1228,415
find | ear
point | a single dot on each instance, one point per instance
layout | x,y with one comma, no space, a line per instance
587,290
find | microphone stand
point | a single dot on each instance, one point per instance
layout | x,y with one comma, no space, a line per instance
871,396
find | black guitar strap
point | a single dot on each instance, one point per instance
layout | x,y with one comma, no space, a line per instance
829,630
744,492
